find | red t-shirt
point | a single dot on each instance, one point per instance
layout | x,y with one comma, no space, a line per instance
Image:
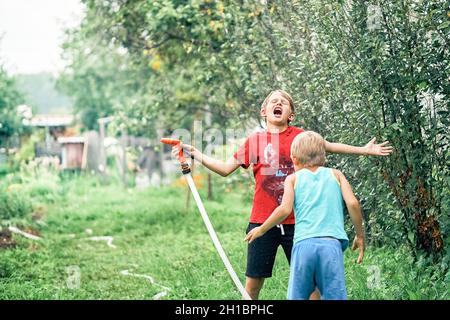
270,154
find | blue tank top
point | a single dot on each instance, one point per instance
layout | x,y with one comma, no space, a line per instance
318,206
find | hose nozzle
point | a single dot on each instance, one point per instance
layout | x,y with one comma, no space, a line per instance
183,163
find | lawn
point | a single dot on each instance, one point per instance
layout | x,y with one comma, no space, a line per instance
161,250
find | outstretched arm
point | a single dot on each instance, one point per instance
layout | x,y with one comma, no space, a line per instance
370,149
279,214
354,210
224,168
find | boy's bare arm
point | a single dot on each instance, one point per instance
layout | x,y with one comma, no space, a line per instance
224,168
370,149
279,214
354,209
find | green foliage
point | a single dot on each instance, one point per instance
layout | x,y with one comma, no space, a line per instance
44,190
374,68
13,205
40,184
27,150
94,81
4,169
10,98
169,58
392,274
32,186
404,103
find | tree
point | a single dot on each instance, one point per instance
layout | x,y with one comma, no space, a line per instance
10,98
379,67
374,68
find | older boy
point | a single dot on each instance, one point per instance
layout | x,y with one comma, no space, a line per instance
315,193
269,153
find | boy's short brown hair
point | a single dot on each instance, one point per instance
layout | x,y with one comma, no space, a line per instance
309,148
284,94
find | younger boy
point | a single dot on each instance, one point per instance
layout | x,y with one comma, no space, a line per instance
315,193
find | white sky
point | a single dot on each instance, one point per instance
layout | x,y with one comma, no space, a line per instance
32,31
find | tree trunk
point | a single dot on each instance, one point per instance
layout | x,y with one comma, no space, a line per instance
416,203
429,237
210,190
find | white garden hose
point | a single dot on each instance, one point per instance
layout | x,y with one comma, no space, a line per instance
187,173
214,238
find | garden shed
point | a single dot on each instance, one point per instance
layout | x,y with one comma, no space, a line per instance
72,152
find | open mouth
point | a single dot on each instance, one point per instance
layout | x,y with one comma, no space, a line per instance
278,111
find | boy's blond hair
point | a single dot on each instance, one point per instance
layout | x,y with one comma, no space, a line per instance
309,148
284,94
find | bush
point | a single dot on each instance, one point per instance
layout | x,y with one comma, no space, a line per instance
44,190
27,150
4,169
12,206
39,183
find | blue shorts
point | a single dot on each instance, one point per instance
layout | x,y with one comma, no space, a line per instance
317,262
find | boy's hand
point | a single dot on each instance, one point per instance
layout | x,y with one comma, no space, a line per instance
188,150
358,242
381,149
253,235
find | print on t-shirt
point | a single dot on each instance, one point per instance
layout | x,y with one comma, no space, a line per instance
270,156
274,184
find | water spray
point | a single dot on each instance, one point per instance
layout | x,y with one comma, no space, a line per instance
187,174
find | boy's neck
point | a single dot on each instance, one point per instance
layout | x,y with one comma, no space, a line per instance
275,128
298,167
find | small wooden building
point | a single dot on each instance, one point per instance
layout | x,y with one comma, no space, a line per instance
55,127
72,149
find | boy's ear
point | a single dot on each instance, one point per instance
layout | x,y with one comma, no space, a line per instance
291,117
263,112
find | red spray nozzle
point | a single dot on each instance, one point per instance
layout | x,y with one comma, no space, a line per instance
181,158
171,141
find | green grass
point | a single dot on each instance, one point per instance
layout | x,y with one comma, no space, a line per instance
155,235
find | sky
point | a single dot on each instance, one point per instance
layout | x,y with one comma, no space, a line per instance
32,31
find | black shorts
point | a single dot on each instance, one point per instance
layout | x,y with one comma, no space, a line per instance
261,252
